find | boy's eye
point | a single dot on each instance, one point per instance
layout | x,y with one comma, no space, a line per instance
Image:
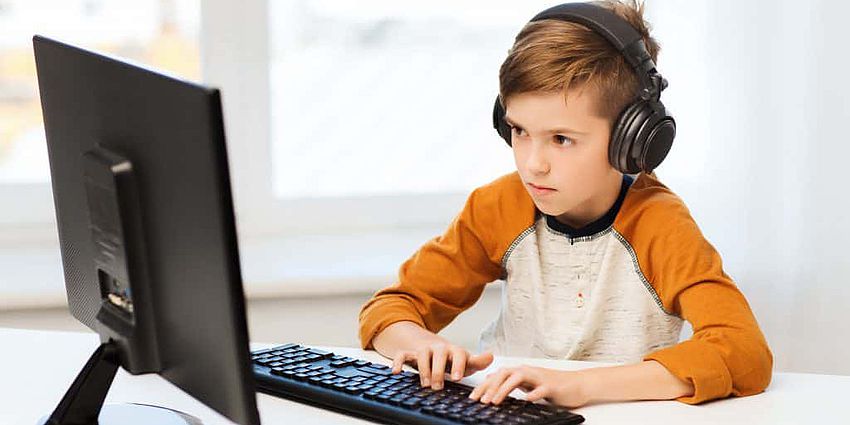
564,140
517,131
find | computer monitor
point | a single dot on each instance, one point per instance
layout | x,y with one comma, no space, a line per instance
141,188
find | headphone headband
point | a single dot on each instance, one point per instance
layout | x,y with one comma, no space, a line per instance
620,34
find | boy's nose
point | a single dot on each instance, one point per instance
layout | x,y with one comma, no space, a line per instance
536,162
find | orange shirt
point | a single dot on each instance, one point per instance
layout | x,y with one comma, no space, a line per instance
618,294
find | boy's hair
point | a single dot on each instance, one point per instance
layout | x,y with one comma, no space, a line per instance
551,55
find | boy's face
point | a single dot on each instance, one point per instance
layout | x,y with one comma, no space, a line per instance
563,146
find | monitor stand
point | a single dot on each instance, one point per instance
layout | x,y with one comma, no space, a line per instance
83,402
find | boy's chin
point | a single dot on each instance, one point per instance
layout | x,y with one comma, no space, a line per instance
548,209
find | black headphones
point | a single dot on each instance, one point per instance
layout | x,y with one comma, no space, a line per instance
643,132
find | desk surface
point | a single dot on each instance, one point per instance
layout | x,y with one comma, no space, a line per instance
36,368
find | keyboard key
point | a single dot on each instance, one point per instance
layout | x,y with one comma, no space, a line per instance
287,347
425,392
347,372
353,389
373,370
411,402
321,353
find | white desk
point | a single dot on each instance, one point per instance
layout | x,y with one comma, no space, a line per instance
36,367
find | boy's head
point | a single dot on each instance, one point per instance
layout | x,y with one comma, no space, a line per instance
562,87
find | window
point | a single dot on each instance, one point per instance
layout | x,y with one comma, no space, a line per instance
345,116
384,97
163,34
377,107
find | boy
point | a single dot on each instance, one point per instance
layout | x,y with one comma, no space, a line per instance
597,264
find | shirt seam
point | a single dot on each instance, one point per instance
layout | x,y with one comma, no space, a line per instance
528,230
640,274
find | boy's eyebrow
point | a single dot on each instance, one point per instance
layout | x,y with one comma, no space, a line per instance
513,123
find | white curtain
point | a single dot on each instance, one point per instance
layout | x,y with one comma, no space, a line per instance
761,95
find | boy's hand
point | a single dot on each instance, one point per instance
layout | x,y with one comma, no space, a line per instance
435,359
561,387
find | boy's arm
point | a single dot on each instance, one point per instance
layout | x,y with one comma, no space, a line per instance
647,380
727,354
443,278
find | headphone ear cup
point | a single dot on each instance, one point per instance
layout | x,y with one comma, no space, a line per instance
623,140
656,137
499,123
642,137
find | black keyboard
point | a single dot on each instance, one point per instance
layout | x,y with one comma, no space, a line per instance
369,390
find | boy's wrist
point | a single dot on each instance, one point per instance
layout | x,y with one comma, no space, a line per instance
646,380
403,336
594,384
586,389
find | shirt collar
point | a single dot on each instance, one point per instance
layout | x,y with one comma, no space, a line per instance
598,225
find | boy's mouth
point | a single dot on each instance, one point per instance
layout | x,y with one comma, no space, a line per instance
540,192
540,187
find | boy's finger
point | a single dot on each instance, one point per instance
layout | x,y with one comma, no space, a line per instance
398,361
513,381
498,379
474,394
438,369
481,388
479,362
459,359
423,363
537,394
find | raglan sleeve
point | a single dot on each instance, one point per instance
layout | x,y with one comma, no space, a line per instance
444,277
727,354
